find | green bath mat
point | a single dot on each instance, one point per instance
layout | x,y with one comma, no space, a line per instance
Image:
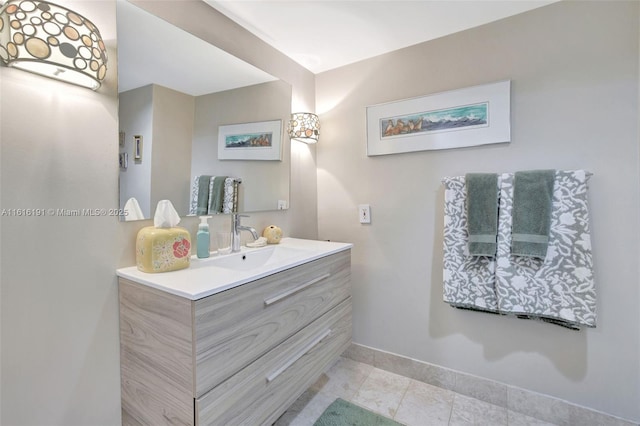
343,413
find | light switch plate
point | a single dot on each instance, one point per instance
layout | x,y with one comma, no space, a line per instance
364,213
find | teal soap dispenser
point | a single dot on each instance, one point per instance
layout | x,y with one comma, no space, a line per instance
202,238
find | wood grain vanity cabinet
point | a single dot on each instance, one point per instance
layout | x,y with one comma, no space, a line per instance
238,357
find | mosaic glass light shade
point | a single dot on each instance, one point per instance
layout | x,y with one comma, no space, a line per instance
304,127
47,39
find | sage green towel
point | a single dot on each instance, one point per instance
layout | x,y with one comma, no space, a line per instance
482,213
202,208
532,203
216,201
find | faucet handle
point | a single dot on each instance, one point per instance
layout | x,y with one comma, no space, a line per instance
235,222
236,217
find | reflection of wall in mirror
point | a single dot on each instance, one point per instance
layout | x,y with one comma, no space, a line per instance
135,115
164,120
180,134
263,182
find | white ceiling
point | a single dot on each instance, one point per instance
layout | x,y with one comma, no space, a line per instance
150,50
318,34
325,34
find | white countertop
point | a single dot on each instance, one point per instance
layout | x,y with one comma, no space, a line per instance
203,278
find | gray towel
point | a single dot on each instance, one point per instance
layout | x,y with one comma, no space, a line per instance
532,201
216,200
482,213
203,195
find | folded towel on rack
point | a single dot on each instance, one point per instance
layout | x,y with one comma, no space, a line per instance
482,213
202,203
216,194
193,202
468,281
532,200
230,199
559,288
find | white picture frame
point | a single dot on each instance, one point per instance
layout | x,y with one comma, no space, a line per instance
471,116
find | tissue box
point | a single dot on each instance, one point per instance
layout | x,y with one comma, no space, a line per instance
163,249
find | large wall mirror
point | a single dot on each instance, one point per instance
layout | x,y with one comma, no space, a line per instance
177,93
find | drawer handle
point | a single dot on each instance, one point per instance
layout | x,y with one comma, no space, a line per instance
271,377
294,290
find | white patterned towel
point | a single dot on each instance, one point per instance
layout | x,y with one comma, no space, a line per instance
469,281
561,287
230,197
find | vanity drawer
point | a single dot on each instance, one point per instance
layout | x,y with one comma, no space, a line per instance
263,390
237,326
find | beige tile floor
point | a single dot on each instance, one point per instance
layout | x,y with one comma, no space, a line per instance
408,401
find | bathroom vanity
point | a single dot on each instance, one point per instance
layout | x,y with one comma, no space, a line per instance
234,339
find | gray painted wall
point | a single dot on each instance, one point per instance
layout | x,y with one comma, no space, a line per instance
59,312
164,119
574,72
263,182
173,115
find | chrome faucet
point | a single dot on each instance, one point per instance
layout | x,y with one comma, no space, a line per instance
235,231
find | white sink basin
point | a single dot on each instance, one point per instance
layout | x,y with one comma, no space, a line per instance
217,273
252,258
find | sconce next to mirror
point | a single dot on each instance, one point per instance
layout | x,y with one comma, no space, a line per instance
304,127
53,41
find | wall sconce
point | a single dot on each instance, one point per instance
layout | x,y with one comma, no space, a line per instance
304,127
50,40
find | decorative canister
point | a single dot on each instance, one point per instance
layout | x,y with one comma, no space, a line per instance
163,249
272,234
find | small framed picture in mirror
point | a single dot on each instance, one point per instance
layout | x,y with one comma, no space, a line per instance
137,148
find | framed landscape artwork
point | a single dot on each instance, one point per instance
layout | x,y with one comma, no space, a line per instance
472,116
250,141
